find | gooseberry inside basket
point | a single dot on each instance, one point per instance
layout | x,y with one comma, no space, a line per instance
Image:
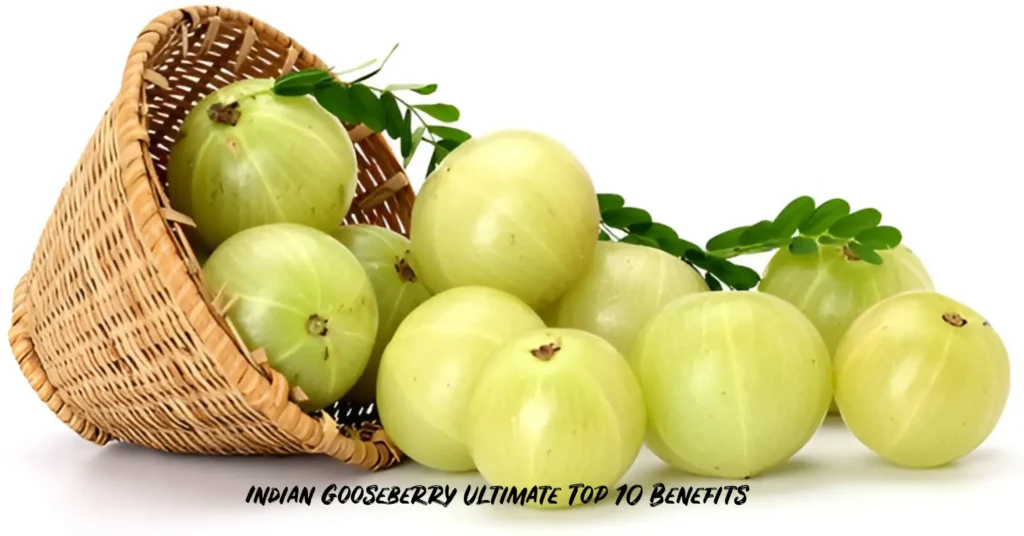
112,325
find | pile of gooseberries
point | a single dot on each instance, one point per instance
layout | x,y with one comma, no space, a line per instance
502,336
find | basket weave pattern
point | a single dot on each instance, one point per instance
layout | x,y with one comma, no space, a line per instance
113,327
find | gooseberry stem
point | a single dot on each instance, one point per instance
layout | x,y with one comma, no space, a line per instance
405,272
316,325
954,319
545,352
225,114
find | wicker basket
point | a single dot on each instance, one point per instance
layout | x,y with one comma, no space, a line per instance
112,326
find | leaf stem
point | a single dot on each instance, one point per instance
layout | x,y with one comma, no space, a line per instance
749,249
608,231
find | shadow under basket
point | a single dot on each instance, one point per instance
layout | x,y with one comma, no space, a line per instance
112,325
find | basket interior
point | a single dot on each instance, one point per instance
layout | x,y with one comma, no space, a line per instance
199,59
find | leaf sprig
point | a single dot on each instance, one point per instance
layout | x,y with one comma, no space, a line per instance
802,226
383,110
638,227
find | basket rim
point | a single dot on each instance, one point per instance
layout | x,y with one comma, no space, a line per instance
263,388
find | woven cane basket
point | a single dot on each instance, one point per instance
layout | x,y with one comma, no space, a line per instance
112,325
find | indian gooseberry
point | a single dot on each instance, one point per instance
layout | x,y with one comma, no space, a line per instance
735,383
620,290
428,369
246,156
384,256
921,379
833,286
303,298
555,407
512,210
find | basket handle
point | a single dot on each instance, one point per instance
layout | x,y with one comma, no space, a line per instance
25,353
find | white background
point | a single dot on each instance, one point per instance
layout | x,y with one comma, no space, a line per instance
708,114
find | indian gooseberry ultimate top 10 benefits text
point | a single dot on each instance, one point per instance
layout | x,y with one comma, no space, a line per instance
512,210
833,287
428,369
302,297
736,383
555,407
384,255
921,379
245,157
620,290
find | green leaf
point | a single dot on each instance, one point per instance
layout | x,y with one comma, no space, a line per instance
436,158
882,237
442,112
392,115
608,202
758,233
790,218
865,253
727,240
801,245
603,236
735,276
422,89
827,240
368,107
640,240
406,141
659,232
449,133
698,258
302,82
622,218
417,138
449,145
687,247
824,216
640,228
337,99
712,282
849,226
